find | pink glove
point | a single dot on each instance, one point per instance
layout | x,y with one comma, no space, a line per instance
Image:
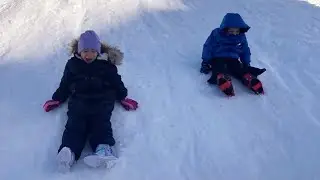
50,105
129,104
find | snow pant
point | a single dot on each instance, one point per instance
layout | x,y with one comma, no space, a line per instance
232,67
87,120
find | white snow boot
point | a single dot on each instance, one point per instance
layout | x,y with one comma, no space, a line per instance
103,157
65,159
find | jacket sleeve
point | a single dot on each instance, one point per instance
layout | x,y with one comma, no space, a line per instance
246,54
117,84
63,91
208,47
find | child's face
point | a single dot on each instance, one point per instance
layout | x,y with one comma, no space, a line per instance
88,55
233,31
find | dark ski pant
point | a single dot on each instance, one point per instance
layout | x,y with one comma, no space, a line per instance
232,67
87,121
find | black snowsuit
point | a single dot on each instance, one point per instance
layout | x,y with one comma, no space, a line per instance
92,89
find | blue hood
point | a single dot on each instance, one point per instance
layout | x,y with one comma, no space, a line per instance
234,20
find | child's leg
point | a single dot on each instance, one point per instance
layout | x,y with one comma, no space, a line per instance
74,135
235,68
220,76
245,76
218,66
100,130
101,137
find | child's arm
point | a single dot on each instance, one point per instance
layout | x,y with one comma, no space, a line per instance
115,80
245,56
208,47
63,91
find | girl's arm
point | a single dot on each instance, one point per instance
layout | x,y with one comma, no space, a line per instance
63,91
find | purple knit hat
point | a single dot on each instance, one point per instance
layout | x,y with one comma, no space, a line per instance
89,40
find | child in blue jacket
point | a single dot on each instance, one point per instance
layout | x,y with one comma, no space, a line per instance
226,53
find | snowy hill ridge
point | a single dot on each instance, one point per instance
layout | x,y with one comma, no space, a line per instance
184,128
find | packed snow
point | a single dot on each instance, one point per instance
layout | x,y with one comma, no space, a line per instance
184,129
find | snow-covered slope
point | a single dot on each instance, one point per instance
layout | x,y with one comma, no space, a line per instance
184,129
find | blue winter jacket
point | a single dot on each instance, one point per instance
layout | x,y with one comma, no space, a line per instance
220,44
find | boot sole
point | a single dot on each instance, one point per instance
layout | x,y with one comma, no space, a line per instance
64,159
254,84
96,161
257,86
225,86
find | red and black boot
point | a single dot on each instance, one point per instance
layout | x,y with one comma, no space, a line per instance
225,85
253,83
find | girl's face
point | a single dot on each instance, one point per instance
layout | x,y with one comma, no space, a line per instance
88,55
233,31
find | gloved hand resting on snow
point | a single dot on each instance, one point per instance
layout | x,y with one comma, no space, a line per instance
254,70
50,105
129,104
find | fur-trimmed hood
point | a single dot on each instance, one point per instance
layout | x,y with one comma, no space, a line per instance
108,52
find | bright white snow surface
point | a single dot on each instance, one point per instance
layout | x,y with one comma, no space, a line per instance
184,128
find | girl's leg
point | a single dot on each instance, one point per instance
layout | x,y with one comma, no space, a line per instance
75,133
73,140
101,138
100,129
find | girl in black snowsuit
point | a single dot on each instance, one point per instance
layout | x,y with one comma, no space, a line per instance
92,84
